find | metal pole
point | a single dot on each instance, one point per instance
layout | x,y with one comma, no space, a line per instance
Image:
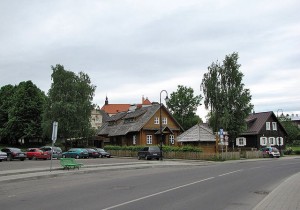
160,124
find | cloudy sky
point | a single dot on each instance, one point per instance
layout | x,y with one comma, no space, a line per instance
134,48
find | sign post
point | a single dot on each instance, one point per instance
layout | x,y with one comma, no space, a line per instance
54,137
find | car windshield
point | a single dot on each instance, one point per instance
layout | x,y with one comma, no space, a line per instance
274,149
154,149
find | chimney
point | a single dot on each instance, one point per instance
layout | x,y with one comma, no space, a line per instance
143,99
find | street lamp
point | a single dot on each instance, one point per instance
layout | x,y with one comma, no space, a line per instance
160,122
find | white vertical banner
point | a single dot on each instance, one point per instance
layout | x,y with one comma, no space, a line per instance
54,131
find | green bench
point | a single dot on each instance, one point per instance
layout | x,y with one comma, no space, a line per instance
68,163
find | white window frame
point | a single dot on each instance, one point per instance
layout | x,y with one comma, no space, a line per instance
272,141
149,139
279,140
134,139
268,126
241,141
274,126
156,120
263,141
172,139
164,121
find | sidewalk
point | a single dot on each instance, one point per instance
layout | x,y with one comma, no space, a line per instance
36,173
285,196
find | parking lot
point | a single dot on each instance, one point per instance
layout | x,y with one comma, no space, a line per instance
34,164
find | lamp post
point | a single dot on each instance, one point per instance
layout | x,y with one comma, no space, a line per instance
160,122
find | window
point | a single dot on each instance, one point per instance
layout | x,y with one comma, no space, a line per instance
263,141
279,141
241,141
271,141
268,126
274,126
134,139
156,120
172,141
149,139
164,121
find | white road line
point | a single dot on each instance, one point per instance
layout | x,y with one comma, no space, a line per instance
155,194
230,172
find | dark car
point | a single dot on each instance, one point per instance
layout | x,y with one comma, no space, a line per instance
14,153
93,153
103,153
76,153
57,152
151,152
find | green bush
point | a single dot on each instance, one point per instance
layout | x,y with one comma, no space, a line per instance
165,148
288,151
297,152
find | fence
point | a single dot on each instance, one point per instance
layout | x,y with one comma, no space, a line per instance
186,155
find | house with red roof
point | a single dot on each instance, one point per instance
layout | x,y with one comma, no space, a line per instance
113,109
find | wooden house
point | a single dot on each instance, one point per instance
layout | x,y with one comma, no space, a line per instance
140,125
199,135
263,129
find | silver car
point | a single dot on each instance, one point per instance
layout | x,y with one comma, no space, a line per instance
3,156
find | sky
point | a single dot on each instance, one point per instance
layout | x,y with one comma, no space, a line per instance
134,48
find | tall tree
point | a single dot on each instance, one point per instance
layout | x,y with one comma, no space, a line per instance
226,96
69,103
24,119
6,96
183,105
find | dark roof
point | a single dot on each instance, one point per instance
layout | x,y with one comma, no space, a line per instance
257,121
121,127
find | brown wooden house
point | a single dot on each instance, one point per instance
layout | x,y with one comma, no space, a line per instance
263,129
141,126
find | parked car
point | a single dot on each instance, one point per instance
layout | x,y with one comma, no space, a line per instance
270,152
14,153
3,156
151,152
36,153
103,153
57,151
76,153
92,153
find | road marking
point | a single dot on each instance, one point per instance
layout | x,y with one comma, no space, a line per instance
230,172
155,194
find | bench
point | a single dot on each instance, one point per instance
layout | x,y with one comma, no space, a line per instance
68,163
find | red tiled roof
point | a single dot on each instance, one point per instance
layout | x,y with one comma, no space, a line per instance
115,108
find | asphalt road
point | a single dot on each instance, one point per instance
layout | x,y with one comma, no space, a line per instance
230,185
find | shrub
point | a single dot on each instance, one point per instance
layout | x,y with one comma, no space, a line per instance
288,151
165,148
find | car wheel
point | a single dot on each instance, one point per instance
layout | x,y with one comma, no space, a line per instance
77,157
30,158
146,157
22,159
9,157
